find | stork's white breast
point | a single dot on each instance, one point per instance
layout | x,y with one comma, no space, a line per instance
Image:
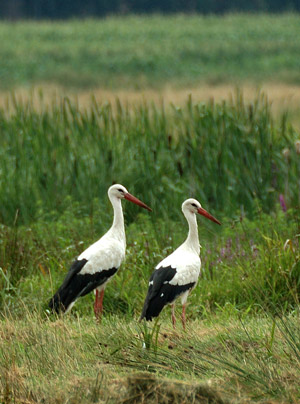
187,264
104,254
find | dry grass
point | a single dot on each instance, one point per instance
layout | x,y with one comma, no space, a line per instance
75,360
146,388
283,98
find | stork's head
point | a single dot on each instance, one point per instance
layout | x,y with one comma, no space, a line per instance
119,192
193,206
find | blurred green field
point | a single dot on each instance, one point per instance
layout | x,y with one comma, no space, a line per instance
139,52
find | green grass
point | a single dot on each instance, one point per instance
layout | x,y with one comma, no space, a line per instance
247,265
139,52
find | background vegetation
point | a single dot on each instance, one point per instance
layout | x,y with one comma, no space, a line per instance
243,163
230,156
244,314
139,52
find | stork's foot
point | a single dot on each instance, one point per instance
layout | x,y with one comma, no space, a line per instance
98,305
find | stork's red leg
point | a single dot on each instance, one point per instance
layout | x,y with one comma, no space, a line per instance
183,319
98,306
173,316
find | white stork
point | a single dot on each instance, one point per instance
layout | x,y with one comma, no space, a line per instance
99,262
177,274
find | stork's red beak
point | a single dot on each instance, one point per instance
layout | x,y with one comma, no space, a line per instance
203,212
135,200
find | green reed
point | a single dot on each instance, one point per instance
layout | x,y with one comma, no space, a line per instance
227,155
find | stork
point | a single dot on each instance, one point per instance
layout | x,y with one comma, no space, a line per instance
99,262
176,275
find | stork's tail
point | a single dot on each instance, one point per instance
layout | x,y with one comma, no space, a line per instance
59,302
145,313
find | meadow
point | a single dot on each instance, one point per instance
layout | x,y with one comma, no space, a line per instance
242,341
58,156
140,52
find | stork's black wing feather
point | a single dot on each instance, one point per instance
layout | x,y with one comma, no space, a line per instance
74,269
161,292
76,285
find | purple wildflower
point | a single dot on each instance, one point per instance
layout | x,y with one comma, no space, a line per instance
223,252
282,203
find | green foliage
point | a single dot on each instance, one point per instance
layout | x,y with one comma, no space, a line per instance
56,164
138,52
229,156
247,266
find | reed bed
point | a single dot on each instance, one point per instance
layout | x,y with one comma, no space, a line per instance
230,156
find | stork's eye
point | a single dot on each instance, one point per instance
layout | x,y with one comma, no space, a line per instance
193,204
120,190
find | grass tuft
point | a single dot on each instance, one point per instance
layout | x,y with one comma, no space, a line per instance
145,388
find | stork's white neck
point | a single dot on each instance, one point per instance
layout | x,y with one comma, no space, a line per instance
192,241
117,229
